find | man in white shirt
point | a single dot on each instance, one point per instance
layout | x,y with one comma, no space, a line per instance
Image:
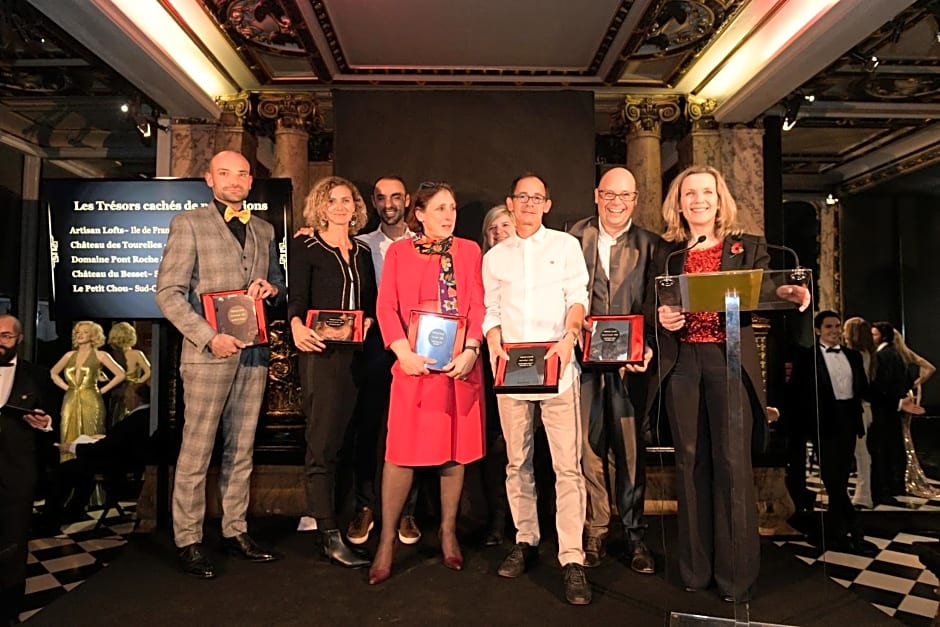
25,392
390,200
536,291
618,255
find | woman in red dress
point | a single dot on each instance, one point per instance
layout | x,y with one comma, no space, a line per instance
435,418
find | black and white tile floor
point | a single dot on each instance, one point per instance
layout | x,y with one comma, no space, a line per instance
61,563
894,580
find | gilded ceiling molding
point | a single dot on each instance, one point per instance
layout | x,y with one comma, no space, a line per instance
298,111
648,113
894,169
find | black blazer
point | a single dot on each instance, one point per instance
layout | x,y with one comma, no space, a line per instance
753,255
890,384
32,388
809,382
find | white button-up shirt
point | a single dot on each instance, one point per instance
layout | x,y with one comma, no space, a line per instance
378,243
605,242
6,381
840,372
530,284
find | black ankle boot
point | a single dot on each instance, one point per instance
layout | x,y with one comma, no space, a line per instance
338,552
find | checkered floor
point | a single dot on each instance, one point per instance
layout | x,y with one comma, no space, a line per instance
894,580
59,564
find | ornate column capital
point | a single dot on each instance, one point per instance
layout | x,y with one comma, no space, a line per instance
293,111
235,109
700,112
646,114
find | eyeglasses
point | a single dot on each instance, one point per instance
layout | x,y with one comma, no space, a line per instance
624,197
535,199
6,337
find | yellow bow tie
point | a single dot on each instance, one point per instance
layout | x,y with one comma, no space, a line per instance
243,215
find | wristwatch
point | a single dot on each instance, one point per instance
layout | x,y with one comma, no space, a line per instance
475,348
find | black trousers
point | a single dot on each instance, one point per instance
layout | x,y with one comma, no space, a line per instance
15,511
330,384
836,456
888,459
718,535
612,425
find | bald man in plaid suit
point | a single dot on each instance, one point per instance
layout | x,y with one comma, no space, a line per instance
215,248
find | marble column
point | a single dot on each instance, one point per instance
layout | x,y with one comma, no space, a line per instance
232,132
293,115
742,164
191,149
643,119
829,280
702,145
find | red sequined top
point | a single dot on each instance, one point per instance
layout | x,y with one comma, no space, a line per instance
703,326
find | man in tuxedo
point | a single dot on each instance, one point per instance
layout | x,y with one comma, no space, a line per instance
26,391
835,375
618,255
219,247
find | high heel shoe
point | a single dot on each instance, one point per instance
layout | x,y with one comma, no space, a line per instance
379,575
453,562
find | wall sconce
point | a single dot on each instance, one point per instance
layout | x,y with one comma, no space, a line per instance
869,63
831,200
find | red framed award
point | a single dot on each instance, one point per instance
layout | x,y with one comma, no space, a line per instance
527,371
437,336
237,314
341,326
613,340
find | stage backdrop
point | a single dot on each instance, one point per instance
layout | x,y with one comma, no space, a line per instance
476,141
107,238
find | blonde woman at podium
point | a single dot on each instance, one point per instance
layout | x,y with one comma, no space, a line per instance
718,539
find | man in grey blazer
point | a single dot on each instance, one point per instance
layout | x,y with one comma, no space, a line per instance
618,255
215,248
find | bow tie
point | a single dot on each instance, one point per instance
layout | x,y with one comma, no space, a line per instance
834,349
242,215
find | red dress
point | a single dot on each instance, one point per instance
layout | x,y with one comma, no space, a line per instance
432,419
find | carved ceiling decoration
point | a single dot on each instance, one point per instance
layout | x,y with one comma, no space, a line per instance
862,119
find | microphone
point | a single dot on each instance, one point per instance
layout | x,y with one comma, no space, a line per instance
699,240
787,249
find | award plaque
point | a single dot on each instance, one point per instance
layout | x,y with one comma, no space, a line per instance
343,326
614,340
236,313
527,371
437,336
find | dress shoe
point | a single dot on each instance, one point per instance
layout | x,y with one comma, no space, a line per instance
455,561
732,598
334,549
408,531
594,551
520,559
494,537
577,588
641,560
861,546
361,525
195,562
243,546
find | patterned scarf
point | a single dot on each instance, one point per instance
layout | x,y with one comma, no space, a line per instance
446,282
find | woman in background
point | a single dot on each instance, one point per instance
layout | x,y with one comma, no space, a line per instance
919,370
856,332
77,373
435,419
122,337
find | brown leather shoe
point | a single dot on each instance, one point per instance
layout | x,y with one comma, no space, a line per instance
520,559
361,525
594,551
577,588
641,560
408,532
